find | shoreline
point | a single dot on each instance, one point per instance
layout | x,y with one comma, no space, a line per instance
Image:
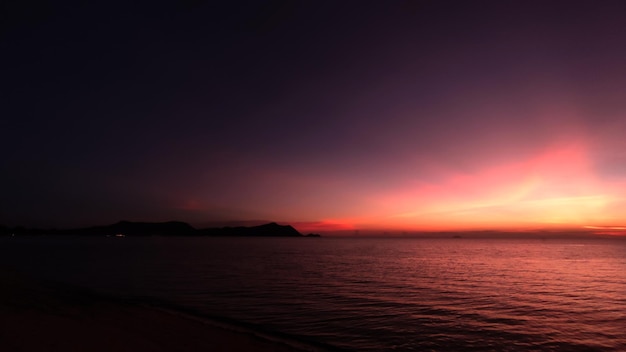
42,316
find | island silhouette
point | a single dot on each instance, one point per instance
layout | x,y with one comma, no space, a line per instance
169,228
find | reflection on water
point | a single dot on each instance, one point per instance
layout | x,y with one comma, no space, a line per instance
367,294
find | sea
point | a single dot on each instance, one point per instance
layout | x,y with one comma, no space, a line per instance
362,294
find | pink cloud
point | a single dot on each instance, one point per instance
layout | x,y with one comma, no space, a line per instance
556,187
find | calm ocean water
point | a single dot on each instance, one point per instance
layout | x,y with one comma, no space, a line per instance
366,294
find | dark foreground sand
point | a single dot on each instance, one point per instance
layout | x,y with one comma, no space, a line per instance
38,317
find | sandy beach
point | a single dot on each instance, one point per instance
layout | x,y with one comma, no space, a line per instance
40,317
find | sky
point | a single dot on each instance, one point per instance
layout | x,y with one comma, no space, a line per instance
327,115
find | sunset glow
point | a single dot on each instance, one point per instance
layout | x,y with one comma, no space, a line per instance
557,188
390,116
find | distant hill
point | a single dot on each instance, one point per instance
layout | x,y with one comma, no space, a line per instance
170,228
267,230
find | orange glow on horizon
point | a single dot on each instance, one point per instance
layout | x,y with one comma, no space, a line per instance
607,230
324,226
606,227
557,188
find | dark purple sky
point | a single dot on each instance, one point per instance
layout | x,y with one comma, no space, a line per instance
394,114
